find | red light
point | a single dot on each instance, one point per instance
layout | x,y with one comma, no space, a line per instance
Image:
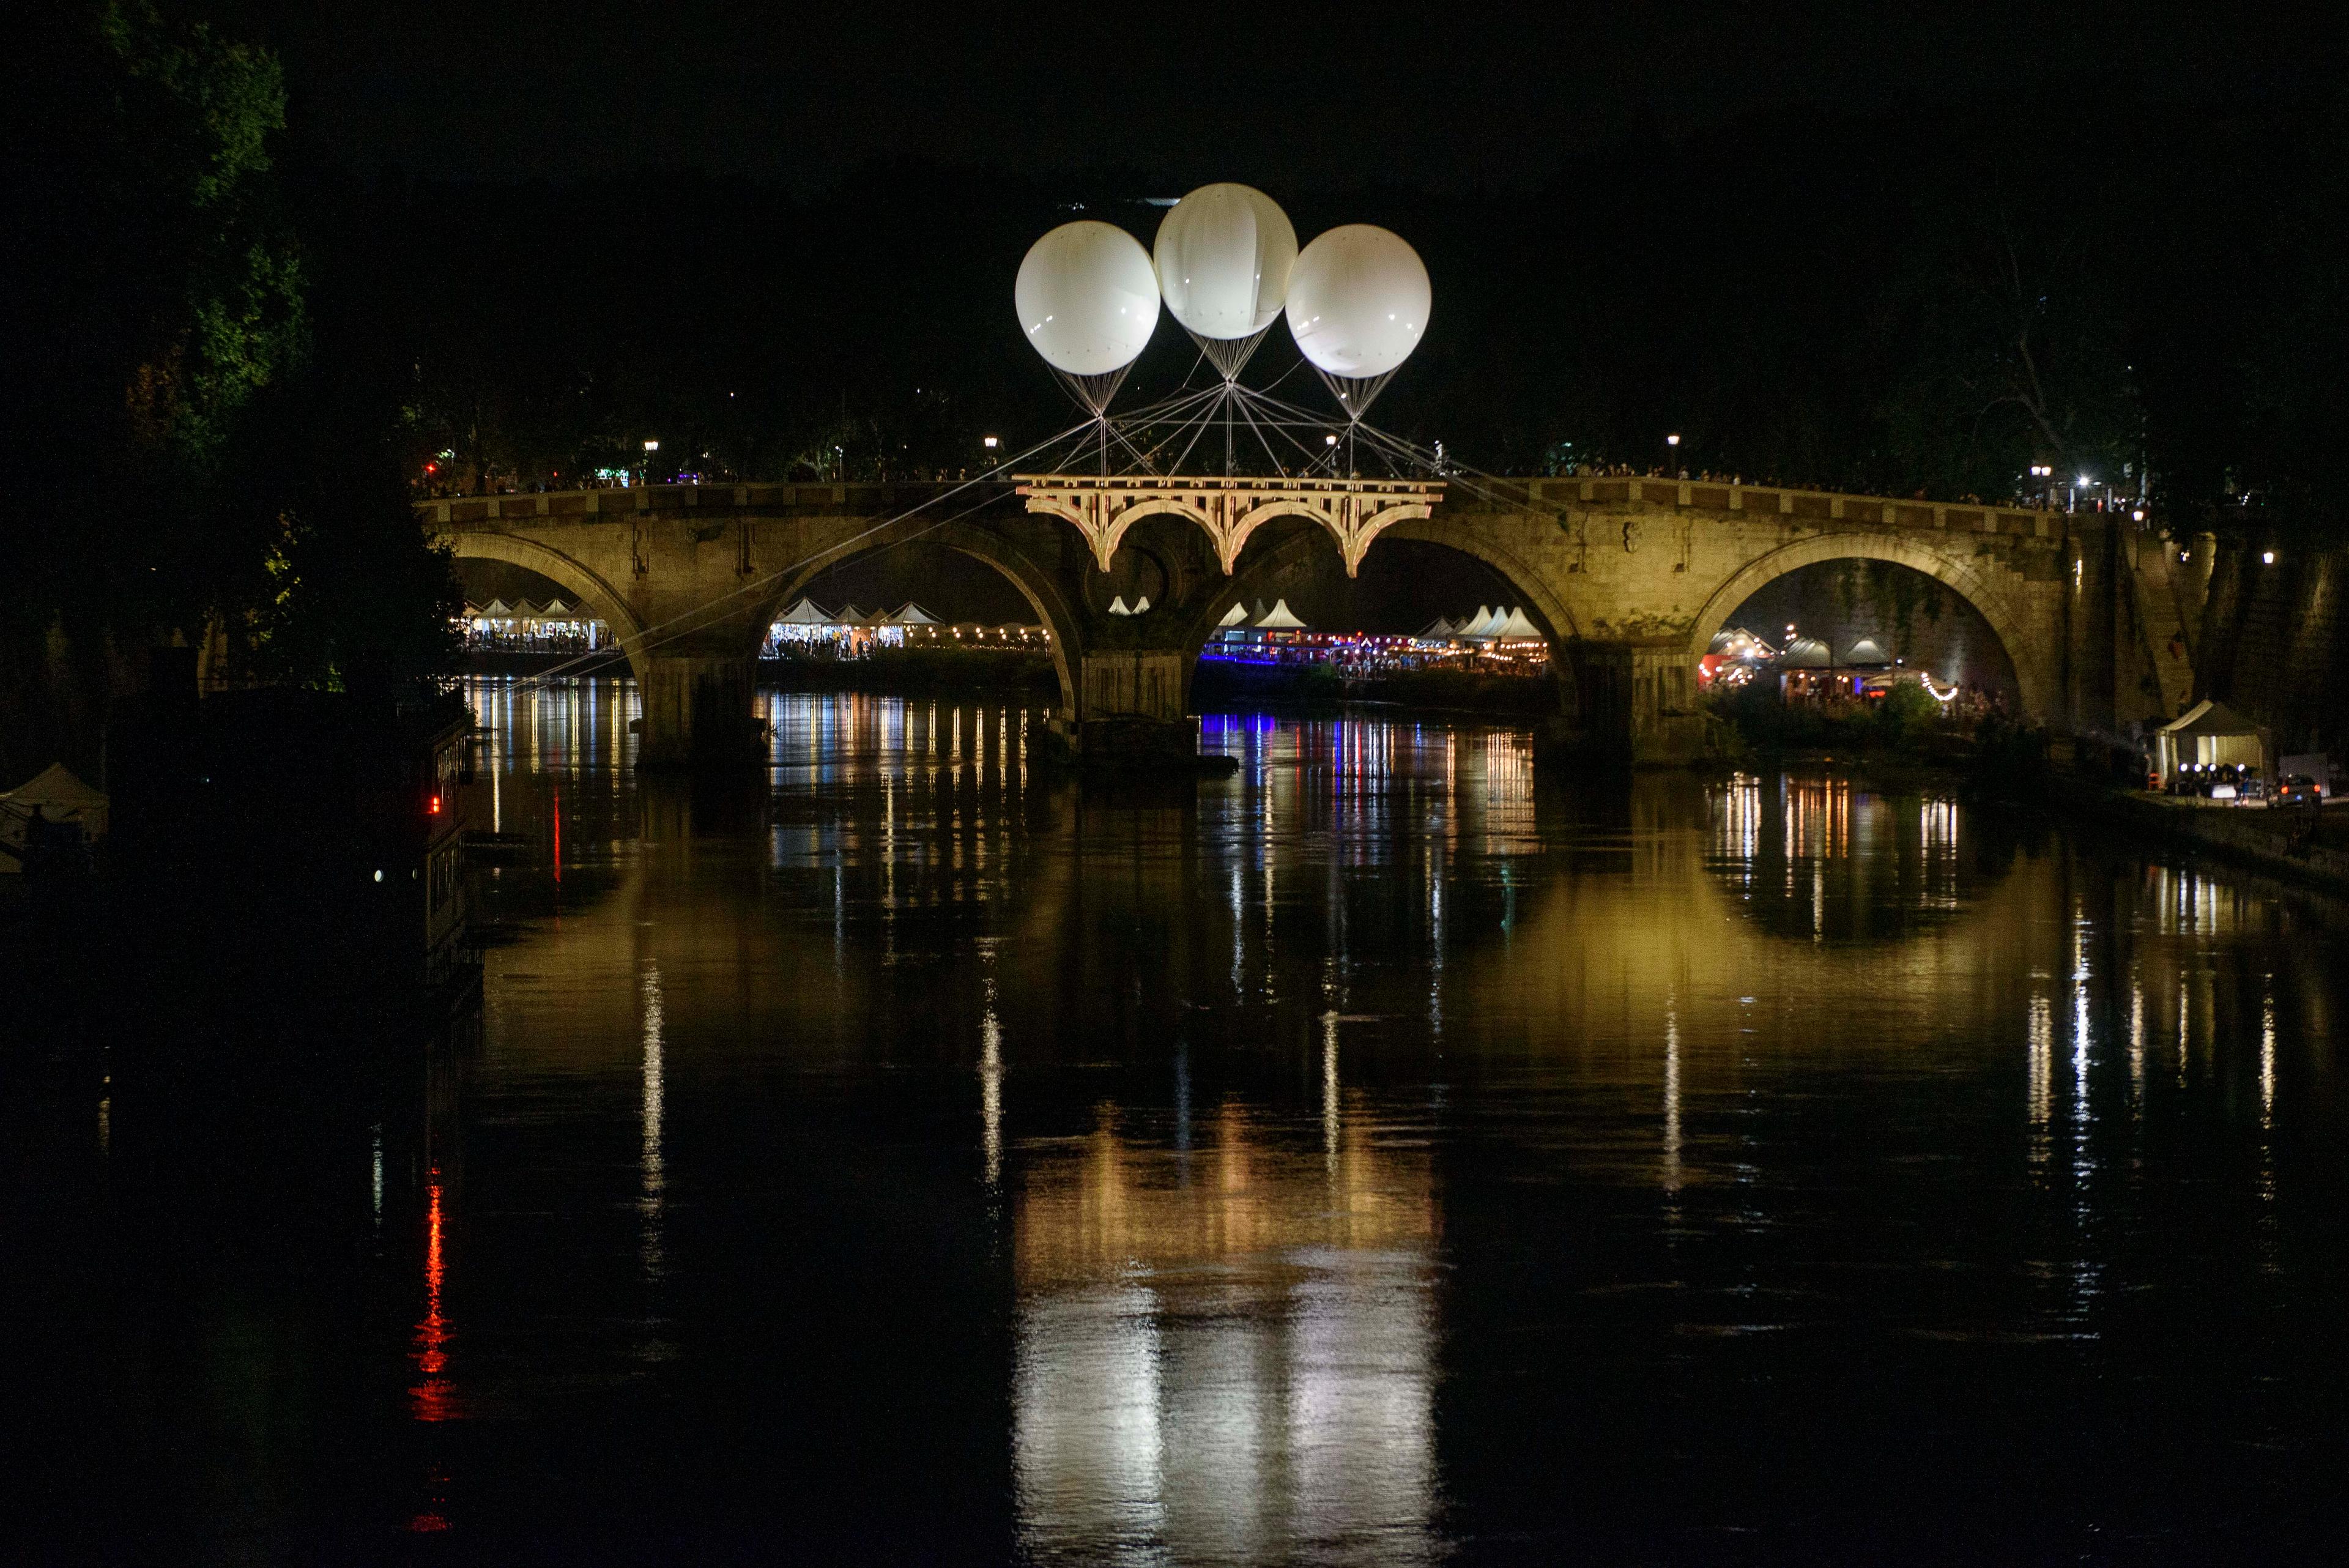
431,468
436,805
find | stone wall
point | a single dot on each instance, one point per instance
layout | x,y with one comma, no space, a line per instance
2273,641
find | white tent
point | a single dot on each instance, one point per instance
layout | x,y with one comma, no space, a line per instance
496,607
1736,642
1438,628
1867,651
1278,618
1805,653
851,616
911,614
1235,616
1117,606
1517,625
2209,734
61,797
806,612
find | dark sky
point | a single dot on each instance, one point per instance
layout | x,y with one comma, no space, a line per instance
1447,97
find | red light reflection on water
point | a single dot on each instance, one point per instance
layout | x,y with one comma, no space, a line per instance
558,836
434,1397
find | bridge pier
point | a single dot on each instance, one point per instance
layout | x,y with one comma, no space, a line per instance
1134,707
1631,702
698,710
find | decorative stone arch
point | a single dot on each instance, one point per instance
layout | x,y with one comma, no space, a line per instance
2039,693
589,588
1104,525
980,544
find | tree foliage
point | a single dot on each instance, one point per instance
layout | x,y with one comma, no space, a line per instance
163,357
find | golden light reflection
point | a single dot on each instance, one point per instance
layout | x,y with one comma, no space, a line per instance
653,1175
990,1085
1225,1353
2040,1071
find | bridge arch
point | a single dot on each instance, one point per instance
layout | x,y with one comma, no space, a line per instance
1549,610
2033,681
587,586
1257,570
979,542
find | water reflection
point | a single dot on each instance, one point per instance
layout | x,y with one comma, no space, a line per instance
904,1152
1226,1353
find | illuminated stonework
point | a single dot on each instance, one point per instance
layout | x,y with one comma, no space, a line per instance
1355,511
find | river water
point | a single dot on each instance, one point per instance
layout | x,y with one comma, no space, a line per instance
1379,1156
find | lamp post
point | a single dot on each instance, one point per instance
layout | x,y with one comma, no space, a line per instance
645,476
1672,455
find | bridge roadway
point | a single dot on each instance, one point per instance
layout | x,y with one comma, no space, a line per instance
1629,577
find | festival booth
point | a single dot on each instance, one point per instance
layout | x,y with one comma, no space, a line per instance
68,807
1803,668
1733,657
2209,741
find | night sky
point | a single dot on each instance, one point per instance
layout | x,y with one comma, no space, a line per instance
1446,98
1423,118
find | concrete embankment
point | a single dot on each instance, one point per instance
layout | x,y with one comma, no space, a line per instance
2280,842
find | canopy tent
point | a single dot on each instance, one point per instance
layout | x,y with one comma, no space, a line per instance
1867,651
1736,642
851,616
1517,627
1805,653
2209,735
526,610
1438,628
1276,618
61,796
497,607
911,614
805,612
1235,616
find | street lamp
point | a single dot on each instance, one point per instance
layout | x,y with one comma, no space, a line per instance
650,447
989,443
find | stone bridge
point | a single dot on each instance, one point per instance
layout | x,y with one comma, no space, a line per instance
1630,578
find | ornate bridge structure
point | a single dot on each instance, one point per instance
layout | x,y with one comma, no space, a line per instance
1629,577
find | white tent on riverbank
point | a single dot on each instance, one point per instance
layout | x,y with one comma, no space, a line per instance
61,797
2209,735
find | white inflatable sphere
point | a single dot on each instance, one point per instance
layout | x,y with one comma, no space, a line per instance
1224,254
1087,297
1358,300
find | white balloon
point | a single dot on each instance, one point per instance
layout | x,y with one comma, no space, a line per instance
1358,301
1224,254
1087,297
